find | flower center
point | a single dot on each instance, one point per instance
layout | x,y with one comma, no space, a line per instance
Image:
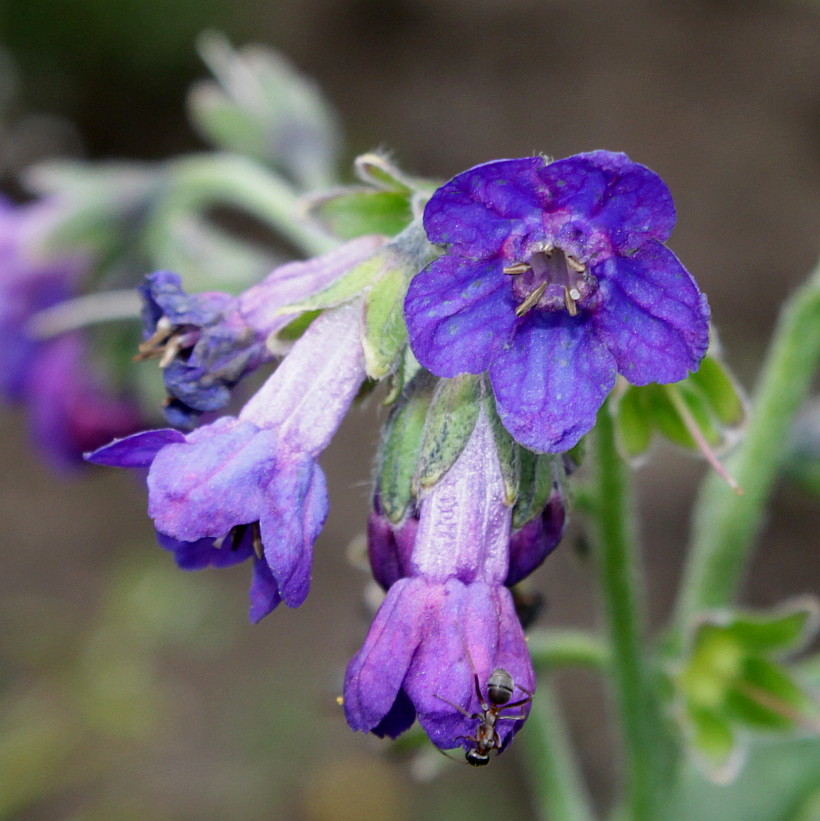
550,280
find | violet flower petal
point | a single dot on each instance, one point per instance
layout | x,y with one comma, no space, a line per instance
375,674
617,197
136,451
488,208
290,522
551,382
460,315
655,320
264,591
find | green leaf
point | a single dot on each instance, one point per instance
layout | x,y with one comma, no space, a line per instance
346,287
385,333
399,450
450,422
720,391
713,741
351,212
633,426
509,451
539,474
377,170
790,628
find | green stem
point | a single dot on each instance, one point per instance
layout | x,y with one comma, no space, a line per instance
199,182
556,781
725,525
620,581
567,648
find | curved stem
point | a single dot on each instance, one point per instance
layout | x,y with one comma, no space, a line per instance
725,525
556,781
620,580
198,182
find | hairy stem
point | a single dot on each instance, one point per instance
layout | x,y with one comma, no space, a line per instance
725,524
620,580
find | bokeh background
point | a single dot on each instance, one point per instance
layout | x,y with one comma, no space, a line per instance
129,689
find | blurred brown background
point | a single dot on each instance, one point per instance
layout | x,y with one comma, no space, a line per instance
133,690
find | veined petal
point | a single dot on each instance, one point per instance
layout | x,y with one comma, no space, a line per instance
487,208
612,195
460,314
375,674
653,318
290,522
550,383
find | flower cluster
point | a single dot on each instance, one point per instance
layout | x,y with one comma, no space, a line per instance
554,279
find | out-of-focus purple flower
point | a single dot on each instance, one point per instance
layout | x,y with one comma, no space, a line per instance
68,407
207,342
68,410
253,481
555,279
450,619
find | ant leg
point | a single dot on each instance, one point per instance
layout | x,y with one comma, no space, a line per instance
513,718
456,706
484,705
518,703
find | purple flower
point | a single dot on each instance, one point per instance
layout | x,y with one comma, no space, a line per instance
207,342
450,621
252,482
68,407
555,279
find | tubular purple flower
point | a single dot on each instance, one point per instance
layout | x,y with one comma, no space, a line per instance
451,619
257,472
555,279
208,342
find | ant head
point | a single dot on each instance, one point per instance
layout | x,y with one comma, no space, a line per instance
500,687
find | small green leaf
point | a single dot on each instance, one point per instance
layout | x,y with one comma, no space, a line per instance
351,212
450,422
720,391
509,451
539,474
399,450
378,171
713,740
385,333
785,629
346,287
633,425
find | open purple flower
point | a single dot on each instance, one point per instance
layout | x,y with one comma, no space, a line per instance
555,279
252,483
208,342
450,620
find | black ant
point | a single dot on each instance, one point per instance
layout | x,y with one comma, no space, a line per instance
500,688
